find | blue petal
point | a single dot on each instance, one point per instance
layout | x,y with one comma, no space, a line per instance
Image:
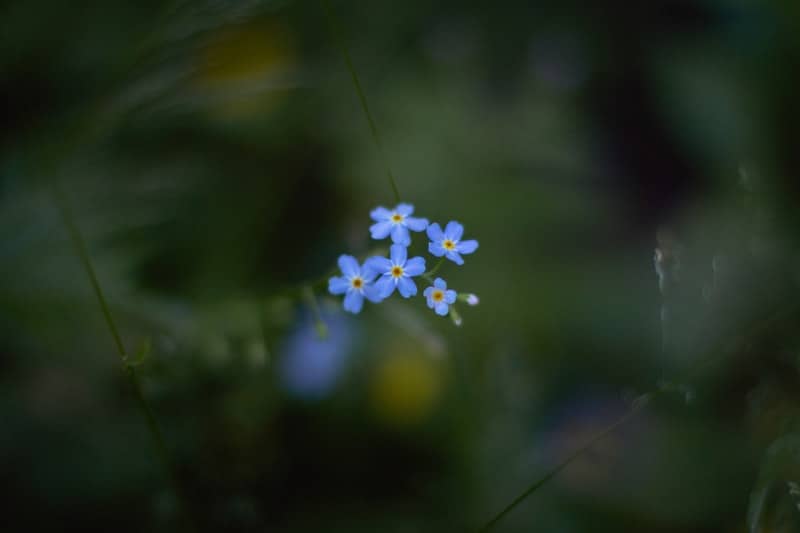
455,258
435,232
414,266
373,294
369,274
442,308
385,286
427,292
338,285
430,302
436,248
407,287
398,253
375,266
467,247
450,296
380,230
454,231
349,266
439,283
405,209
379,214
416,224
400,235
353,302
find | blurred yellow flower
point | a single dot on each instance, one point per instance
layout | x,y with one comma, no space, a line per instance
406,388
244,69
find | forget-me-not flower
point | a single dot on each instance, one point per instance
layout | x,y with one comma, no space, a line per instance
396,222
355,284
439,297
448,243
396,272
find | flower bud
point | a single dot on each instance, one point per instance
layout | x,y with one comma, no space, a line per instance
455,316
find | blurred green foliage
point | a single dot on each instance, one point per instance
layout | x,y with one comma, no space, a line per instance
217,160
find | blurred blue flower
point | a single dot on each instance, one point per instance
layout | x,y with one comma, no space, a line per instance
396,272
396,223
439,298
310,367
355,284
448,243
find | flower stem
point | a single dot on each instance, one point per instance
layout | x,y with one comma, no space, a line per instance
130,371
337,36
637,405
720,351
435,268
319,323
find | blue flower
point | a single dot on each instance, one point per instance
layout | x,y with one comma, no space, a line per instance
355,284
395,272
448,243
396,222
309,367
439,298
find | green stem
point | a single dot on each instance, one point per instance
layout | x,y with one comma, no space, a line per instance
720,351
429,274
83,253
319,323
130,371
338,37
637,406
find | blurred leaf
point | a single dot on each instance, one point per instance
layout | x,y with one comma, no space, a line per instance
782,458
142,353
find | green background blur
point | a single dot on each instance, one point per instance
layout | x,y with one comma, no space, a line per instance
217,161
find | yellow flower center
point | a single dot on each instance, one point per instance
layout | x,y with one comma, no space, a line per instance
357,283
397,218
397,271
449,245
437,296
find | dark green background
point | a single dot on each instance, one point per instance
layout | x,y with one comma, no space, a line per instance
217,160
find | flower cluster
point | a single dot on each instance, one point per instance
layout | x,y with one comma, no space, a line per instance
379,277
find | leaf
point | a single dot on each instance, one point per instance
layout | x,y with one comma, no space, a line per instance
142,353
782,457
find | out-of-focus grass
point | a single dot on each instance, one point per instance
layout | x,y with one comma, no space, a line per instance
217,155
